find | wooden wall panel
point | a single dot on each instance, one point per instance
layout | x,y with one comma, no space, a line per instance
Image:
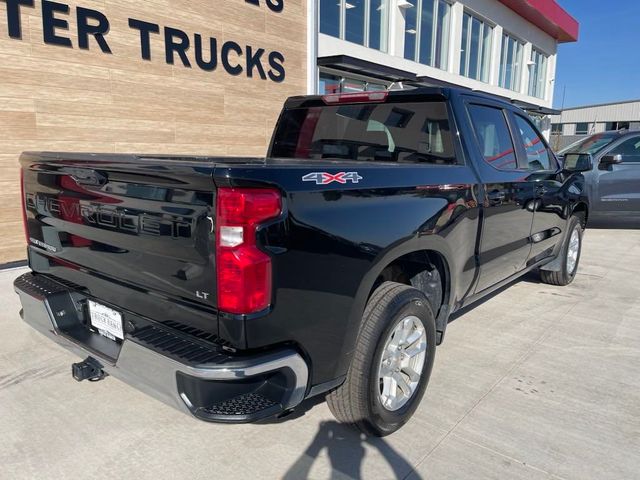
68,99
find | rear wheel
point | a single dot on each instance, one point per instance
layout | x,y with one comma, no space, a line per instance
392,362
569,255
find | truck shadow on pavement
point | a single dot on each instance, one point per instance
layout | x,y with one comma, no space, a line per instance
345,448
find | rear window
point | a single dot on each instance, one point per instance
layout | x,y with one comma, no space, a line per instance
385,132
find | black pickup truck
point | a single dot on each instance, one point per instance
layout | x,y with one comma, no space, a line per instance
235,288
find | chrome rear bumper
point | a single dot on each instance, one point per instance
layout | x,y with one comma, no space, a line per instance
185,386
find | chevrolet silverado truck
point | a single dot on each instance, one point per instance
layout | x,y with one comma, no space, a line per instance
236,288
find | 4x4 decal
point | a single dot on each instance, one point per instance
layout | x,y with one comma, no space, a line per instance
325,178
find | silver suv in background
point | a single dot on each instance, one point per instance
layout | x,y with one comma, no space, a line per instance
611,165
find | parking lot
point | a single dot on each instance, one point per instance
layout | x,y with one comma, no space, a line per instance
537,382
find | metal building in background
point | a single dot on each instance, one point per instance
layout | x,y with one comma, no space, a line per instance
573,124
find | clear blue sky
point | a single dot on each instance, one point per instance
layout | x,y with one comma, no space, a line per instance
604,65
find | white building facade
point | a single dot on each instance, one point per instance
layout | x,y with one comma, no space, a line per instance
503,47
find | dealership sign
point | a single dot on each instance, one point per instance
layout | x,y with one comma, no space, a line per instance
206,52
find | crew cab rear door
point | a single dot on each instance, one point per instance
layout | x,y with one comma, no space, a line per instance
506,228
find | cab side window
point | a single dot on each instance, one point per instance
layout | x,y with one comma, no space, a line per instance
629,149
493,136
537,153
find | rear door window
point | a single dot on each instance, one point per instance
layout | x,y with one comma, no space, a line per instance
387,132
494,138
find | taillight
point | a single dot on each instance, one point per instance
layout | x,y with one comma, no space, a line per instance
24,207
356,97
243,271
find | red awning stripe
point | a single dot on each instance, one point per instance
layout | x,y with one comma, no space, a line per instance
548,16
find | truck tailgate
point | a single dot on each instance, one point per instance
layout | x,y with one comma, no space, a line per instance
141,222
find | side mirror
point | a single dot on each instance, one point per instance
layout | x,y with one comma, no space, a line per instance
611,160
577,162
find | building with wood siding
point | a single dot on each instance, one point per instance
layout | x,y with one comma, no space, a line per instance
208,77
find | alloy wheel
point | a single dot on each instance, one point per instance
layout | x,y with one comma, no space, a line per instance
402,363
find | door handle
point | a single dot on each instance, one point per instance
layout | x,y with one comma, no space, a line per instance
541,190
496,197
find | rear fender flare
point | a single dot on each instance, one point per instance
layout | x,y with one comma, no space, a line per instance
430,242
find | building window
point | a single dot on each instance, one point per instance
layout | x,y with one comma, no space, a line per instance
350,85
375,87
330,17
426,36
378,24
538,76
354,21
365,22
556,128
511,63
475,55
334,84
615,126
329,84
582,128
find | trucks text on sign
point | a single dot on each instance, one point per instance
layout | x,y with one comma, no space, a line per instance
207,52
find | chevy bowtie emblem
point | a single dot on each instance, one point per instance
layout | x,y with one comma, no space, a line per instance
84,176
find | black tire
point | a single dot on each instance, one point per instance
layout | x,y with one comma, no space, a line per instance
357,401
564,277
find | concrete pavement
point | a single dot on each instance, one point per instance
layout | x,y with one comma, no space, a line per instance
538,382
